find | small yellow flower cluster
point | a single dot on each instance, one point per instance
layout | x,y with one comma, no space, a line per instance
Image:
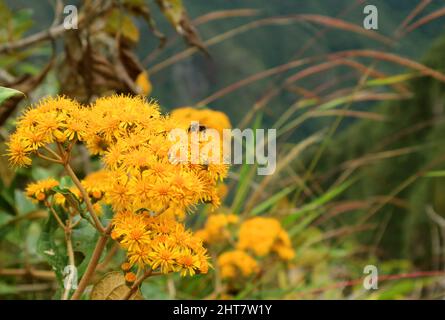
160,242
93,183
96,184
52,120
232,263
41,189
130,277
260,236
206,117
263,236
216,227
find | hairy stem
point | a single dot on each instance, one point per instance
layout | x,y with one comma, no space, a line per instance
56,216
70,253
85,196
54,154
42,156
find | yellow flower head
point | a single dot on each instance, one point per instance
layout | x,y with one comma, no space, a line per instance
216,227
159,242
206,117
18,152
263,236
96,184
125,266
41,189
236,263
130,277
47,122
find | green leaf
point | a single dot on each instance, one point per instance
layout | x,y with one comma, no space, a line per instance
6,93
271,201
84,238
23,204
303,224
69,196
39,173
391,80
435,174
156,288
66,182
316,203
173,11
54,253
397,290
7,289
246,175
6,200
5,229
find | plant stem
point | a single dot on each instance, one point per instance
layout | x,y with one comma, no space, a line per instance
56,216
85,196
52,153
92,265
38,274
47,158
70,253
137,283
110,254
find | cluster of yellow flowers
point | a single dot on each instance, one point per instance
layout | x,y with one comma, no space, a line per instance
265,235
231,263
41,189
146,190
51,120
216,227
206,117
159,241
96,184
260,236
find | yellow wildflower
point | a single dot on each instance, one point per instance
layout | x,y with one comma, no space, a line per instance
207,117
18,152
216,227
236,263
264,235
130,277
164,256
41,189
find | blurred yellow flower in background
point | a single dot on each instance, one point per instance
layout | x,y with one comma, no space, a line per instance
235,263
206,117
265,235
216,227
